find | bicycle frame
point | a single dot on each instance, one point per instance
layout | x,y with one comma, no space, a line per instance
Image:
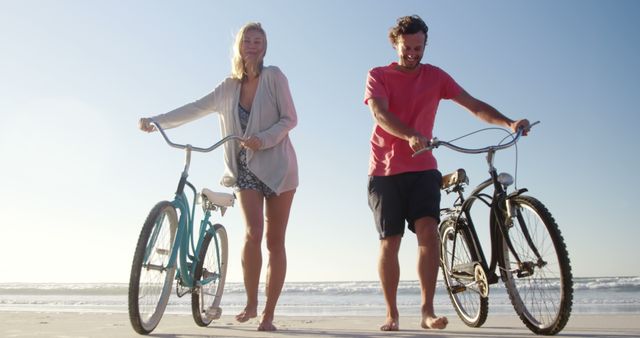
500,209
184,247
184,254
497,226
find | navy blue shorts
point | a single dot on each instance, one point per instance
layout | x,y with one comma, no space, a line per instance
404,197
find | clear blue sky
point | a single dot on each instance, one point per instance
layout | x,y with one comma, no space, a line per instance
78,178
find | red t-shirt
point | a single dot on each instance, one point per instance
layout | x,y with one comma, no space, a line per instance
413,98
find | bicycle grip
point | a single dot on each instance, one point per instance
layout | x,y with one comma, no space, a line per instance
432,144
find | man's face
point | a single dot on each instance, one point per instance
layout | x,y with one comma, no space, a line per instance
410,48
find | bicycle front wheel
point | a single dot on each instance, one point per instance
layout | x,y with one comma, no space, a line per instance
209,277
151,278
457,260
541,286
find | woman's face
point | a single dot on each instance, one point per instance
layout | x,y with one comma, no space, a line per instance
253,47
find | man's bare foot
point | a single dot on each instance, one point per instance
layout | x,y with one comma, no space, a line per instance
390,325
429,322
246,314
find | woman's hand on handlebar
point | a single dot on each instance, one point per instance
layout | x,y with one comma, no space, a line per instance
145,125
520,124
254,143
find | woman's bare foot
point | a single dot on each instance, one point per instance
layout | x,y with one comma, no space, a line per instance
266,324
429,322
390,325
246,314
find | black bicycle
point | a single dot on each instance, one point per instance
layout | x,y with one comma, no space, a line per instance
527,249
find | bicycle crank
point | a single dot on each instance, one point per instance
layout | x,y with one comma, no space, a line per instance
481,281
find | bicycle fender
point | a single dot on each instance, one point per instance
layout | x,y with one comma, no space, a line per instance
211,229
517,193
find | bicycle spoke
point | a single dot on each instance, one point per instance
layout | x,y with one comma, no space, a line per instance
151,277
457,262
210,277
540,285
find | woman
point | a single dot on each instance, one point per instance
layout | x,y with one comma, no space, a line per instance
254,102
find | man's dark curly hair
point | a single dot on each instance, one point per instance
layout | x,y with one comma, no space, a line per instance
408,25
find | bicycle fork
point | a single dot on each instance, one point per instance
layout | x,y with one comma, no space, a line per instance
512,217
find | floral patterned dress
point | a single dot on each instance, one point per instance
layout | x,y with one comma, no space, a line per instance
246,179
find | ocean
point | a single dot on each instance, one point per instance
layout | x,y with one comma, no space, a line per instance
601,295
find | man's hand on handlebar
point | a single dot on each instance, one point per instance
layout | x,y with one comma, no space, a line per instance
418,142
517,125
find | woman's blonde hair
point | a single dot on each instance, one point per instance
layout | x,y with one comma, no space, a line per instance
238,70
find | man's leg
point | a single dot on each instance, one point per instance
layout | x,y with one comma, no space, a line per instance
428,262
389,271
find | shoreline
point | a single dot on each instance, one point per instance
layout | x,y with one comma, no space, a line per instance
68,324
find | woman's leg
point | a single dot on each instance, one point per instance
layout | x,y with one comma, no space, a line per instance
277,217
251,204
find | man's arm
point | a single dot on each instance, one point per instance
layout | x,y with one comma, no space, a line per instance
391,124
487,113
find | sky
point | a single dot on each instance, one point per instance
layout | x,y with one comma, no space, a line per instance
78,178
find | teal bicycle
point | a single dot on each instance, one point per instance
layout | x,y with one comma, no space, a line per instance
168,248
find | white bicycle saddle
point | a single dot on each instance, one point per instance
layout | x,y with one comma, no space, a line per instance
221,199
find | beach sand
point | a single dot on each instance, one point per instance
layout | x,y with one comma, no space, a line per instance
32,324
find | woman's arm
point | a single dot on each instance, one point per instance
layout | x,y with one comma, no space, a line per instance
286,109
206,105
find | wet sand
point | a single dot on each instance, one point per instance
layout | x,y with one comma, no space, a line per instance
33,324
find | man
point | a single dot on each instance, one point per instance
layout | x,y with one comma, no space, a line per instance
403,98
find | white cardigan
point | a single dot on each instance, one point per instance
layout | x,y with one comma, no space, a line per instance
272,116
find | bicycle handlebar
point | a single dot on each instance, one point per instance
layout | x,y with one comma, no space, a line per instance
435,143
185,146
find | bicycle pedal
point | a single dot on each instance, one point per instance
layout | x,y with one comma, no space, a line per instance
524,273
457,288
213,313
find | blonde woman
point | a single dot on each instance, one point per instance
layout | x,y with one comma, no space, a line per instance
254,102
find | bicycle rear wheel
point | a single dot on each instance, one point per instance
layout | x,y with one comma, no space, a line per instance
209,277
541,288
457,260
151,279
